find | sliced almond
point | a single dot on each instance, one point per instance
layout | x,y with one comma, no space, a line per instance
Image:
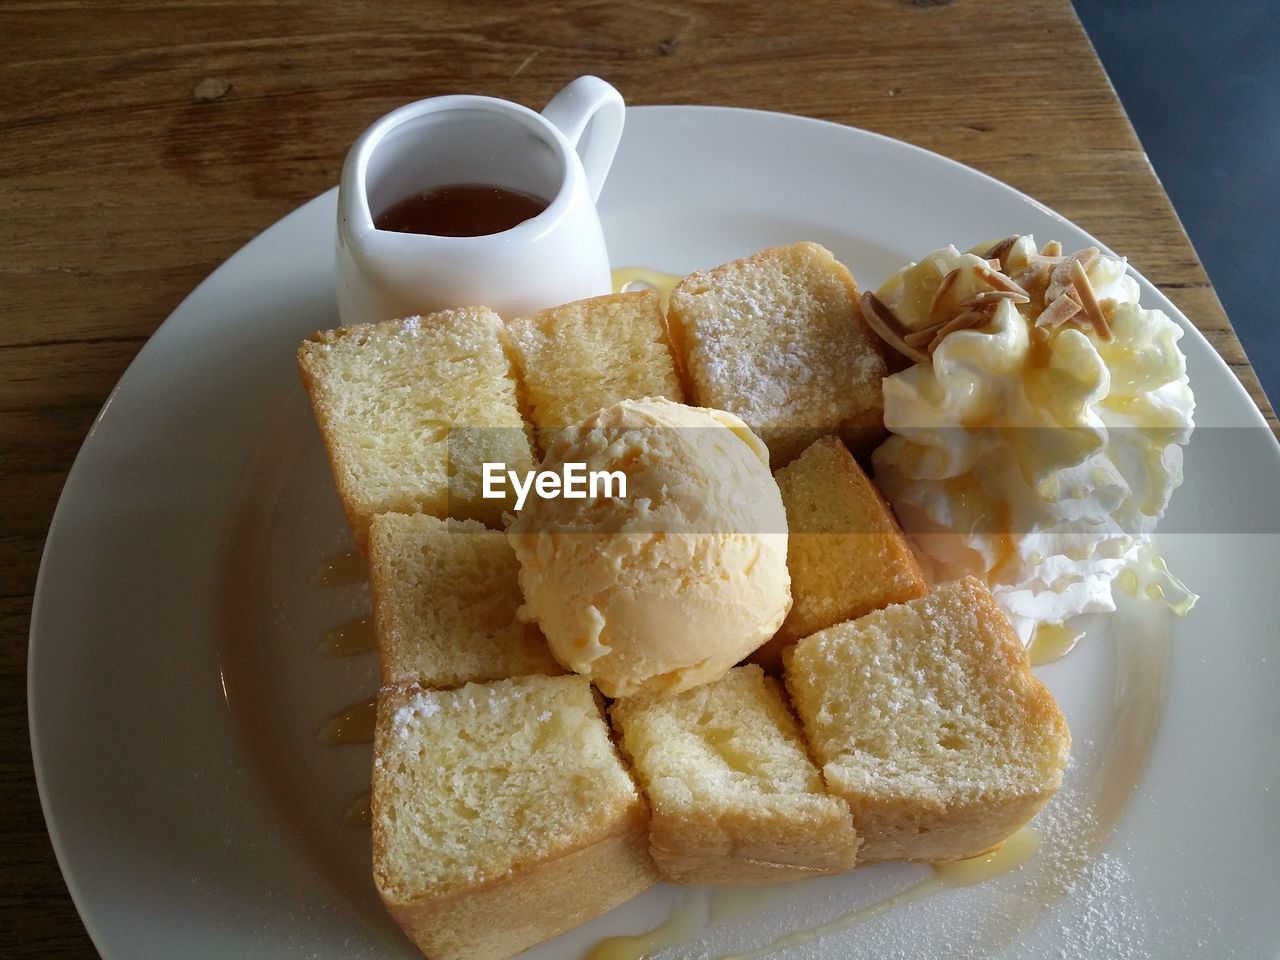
938,308
1057,313
995,296
1060,280
920,338
882,320
1051,249
1088,300
1041,258
999,281
999,250
965,321
1017,258
1035,277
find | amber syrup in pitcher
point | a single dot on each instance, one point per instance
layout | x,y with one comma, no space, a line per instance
461,210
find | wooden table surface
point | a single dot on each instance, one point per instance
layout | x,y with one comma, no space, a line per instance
143,144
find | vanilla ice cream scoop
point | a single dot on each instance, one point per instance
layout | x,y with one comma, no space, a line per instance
669,586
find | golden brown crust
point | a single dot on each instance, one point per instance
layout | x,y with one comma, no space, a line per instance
580,357
734,355
846,553
918,831
527,896
936,807
357,519
735,796
749,845
533,902
395,385
445,599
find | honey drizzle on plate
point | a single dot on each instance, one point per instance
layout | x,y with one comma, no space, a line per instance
349,639
1052,641
688,918
341,569
691,916
1010,855
358,812
353,724
632,279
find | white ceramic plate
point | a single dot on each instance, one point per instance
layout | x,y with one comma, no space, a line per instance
175,687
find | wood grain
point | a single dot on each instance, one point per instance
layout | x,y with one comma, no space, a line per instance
144,143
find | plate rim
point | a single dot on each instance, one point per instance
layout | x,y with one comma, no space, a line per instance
167,327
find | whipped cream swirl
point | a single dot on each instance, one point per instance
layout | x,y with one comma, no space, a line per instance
1038,457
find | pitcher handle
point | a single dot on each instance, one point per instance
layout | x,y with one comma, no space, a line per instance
590,102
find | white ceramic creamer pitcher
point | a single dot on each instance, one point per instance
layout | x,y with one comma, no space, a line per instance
562,154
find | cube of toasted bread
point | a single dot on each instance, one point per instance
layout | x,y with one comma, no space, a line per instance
926,717
501,815
445,595
735,798
584,356
411,409
846,554
778,338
